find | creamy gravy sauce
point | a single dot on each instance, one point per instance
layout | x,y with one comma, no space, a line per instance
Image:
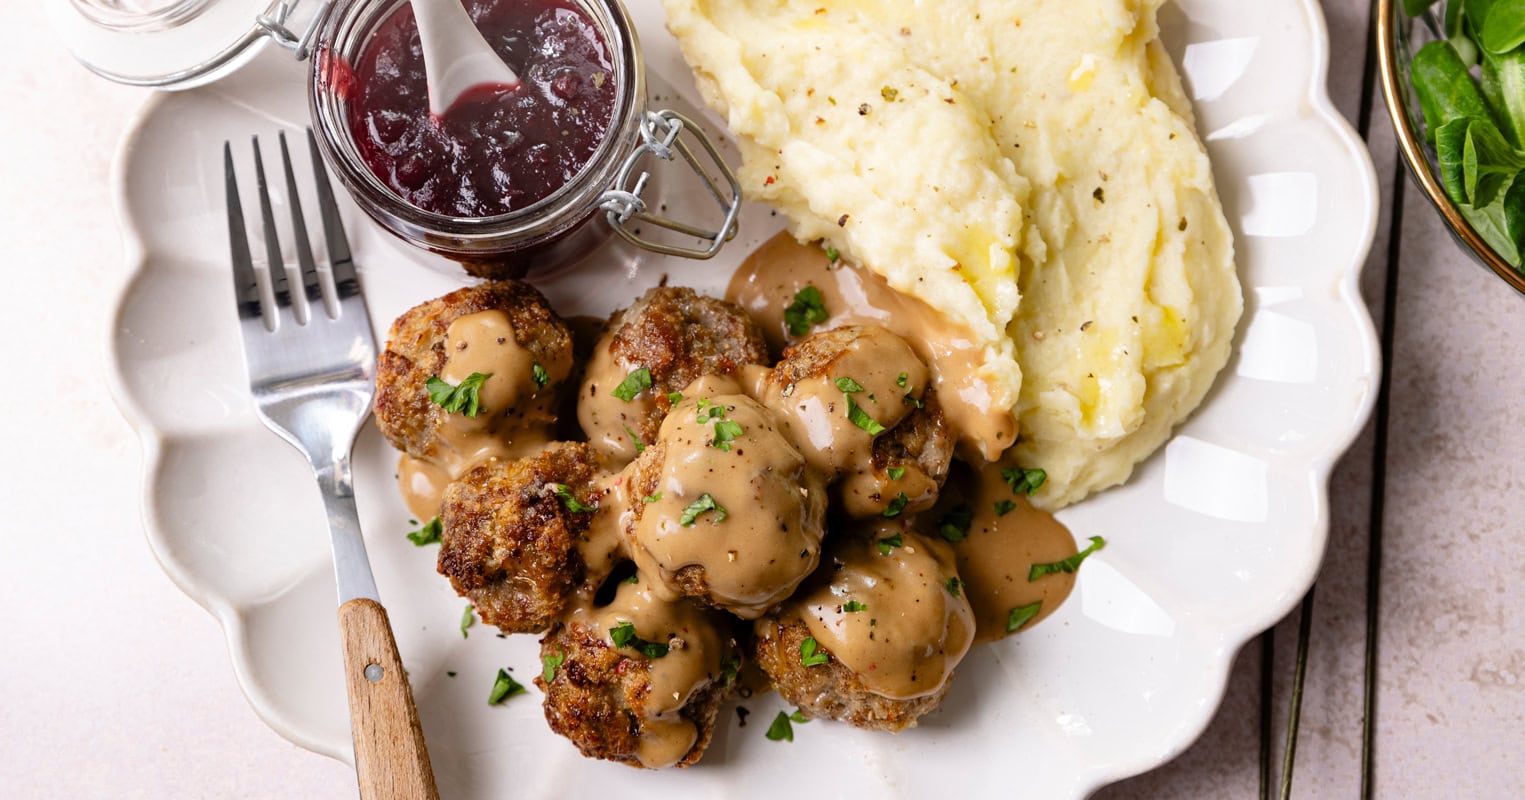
515,413
774,505
693,660
608,420
603,545
994,559
766,284
423,486
911,631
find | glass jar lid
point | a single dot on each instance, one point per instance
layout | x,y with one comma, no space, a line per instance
176,44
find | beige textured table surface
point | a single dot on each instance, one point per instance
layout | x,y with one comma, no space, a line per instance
116,685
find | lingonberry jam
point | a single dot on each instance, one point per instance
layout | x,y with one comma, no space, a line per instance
491,153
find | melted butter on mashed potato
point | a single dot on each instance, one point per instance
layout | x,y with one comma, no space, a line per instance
1028,168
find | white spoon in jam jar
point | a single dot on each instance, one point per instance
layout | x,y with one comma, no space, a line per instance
459,62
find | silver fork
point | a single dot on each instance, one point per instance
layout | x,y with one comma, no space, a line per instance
312,375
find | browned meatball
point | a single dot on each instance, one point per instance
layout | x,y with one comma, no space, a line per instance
830,690
509,540
631,704
677,335
739,524
874,422
417,350
875,634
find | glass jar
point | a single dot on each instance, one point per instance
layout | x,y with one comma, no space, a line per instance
561,228
176,44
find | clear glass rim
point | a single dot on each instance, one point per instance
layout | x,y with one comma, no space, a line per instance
110,14
345,31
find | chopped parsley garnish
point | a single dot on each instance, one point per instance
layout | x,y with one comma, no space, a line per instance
832,254
503,688
889,541
914,400
859,417
780,730
901,379
633,384
634,578
849,386
703,504
551,663
726,432
674,398
810,654
954,526
853,607
463,399
1004,507
623,635
896,473
640,446
708,410
896,506
807,310
540,375
468,619
1020,616
1069,564
652,498
570,502
1023,480
729,670
954,586
428,534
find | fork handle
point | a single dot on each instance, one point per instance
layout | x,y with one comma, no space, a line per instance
391,759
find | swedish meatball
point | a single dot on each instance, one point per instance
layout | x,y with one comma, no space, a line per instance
511,532
859,402
874,637
639,681
503,329
731,513
677,336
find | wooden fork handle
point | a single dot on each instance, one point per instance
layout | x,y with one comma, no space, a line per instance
391,759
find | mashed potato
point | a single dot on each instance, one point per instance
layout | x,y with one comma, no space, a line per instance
1026,167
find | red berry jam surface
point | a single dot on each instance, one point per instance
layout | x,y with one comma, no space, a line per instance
491,153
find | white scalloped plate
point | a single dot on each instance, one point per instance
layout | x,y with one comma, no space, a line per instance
1213,540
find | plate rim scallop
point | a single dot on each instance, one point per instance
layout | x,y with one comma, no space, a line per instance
1229,639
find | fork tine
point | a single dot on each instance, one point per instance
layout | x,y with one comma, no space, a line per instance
245,285
278,283
299,234
345,282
